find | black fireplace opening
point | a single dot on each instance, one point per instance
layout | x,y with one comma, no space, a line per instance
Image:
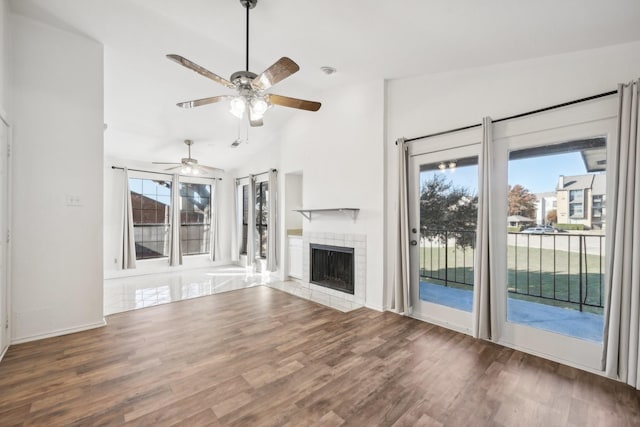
332,267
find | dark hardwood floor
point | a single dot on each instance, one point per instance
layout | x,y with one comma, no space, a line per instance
262,357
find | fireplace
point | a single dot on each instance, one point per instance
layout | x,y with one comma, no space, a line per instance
332,267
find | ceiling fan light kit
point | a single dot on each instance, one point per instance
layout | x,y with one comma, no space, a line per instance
250,100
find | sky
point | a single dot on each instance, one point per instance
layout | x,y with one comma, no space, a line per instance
537,174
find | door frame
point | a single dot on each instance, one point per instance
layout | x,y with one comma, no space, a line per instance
584,120
461,144
6,324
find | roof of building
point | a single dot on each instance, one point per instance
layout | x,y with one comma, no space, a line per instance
575,182
599,184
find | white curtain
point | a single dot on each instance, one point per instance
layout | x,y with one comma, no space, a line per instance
214,245
251,222
236,233
272,224
401,299
622,317
175,245
483,295
128,250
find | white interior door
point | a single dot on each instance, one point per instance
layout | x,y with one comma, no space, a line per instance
4,205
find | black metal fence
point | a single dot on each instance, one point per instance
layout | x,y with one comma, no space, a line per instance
445,258
562,269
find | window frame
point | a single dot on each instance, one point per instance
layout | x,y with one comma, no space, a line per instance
207,225
167,225
182,180
243,212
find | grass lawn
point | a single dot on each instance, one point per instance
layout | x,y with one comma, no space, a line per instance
538,275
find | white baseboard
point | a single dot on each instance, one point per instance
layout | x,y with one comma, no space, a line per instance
60,332
374,307
3,353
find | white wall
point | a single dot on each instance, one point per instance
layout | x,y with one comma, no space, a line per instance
432,103
4,52
293,200
57,117
339,151
112,226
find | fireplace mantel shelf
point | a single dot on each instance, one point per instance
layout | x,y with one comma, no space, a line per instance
307,213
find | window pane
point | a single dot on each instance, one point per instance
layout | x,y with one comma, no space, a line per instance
448,217
245,205
243,247
555,249
264,208
150,200
195,217
261,241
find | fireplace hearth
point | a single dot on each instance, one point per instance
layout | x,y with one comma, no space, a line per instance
332,267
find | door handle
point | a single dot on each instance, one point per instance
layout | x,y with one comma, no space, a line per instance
413,243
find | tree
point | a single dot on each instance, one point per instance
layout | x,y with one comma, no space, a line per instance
552,217
522,201
448,211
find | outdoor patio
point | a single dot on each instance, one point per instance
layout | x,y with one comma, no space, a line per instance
564,321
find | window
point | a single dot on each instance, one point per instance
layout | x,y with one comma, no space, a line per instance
557,274
576,204
262,215
151,205
576,196
576,211
245,219
150,201
195,218
261,218
598,209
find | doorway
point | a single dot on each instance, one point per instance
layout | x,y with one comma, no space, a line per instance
4,236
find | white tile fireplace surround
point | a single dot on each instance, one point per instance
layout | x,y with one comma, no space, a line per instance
330,297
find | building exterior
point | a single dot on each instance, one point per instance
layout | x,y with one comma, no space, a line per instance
581,199
545,203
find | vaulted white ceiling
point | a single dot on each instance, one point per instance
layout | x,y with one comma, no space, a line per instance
363,39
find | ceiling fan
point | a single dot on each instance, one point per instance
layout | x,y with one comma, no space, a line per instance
189,165
250,87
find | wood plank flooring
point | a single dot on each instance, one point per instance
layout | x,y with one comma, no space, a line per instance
262,357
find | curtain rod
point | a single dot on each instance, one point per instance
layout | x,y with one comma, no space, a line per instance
528,113
256,174
165,173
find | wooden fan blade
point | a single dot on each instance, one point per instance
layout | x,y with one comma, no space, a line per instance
203,101
200,70
300,104
283,68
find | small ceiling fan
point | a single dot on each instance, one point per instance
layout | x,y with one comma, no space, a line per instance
189,165
250,87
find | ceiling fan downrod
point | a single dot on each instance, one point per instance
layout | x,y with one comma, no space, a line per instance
248,4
